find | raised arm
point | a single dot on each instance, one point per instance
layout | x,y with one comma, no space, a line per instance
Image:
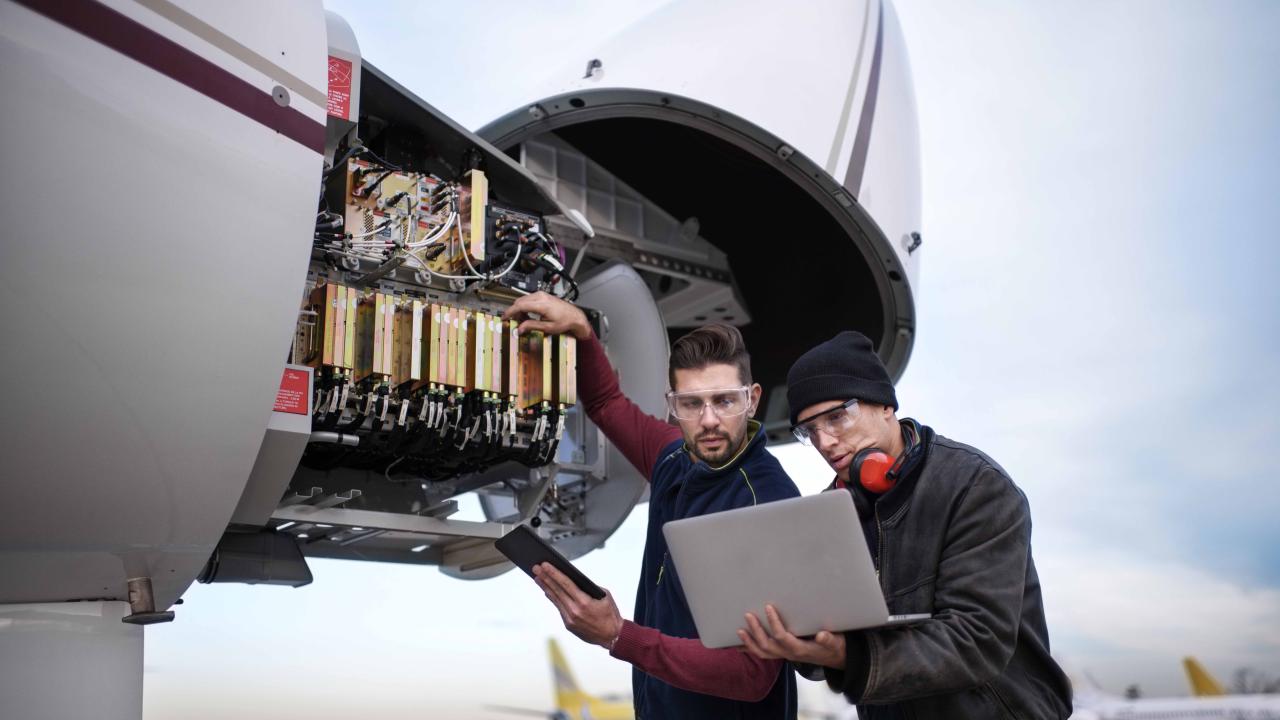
636,433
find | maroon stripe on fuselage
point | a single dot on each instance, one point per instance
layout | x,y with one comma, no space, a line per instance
862,141
144,45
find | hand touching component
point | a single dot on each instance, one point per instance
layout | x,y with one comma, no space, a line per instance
553,316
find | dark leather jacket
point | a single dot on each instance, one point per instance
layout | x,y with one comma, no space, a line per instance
954,540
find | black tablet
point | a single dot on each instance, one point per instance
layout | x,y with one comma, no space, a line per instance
523,547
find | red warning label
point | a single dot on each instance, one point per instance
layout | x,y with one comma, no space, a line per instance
292,397
339,87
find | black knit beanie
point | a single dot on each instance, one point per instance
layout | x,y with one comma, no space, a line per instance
843,367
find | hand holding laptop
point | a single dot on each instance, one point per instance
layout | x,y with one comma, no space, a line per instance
805,556
826,648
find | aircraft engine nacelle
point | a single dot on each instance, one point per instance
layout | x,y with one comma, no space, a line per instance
758,164
778,192
347,250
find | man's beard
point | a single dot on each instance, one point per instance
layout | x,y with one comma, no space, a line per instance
729,448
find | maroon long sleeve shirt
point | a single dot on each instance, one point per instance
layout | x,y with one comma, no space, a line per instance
682,662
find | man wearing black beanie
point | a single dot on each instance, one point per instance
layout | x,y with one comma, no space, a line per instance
950,535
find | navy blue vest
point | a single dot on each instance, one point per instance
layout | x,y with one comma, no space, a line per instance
681,488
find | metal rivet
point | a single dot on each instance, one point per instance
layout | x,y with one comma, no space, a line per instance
280,95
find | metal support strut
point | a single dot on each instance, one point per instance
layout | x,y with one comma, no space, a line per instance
143,604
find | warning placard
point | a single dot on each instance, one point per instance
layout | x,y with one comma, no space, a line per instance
292,396
339,87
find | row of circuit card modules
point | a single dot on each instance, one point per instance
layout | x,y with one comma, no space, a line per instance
396,340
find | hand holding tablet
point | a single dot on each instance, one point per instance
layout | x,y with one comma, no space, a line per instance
523,547
587,610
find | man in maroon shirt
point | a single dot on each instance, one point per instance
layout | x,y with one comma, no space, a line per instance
715,459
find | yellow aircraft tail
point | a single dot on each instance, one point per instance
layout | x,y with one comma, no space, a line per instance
572,702
568,695
1202,683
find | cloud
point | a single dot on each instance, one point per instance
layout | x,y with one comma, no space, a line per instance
1126,619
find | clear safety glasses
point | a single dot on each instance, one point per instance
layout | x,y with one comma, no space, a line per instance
832,422
725,402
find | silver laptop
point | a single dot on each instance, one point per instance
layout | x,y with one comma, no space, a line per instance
806,556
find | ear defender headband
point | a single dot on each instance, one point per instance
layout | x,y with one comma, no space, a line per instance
876,469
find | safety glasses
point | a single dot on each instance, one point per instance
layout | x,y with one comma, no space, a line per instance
725,402
833,422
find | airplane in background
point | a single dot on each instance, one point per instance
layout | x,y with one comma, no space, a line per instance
1202,683
1211,701
1093,703
572,703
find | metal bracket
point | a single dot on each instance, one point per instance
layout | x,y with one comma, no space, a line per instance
915,242
316,497
380,272
394,522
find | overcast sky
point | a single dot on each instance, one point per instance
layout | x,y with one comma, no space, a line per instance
1097,311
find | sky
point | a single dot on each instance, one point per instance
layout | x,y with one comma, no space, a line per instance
1096,310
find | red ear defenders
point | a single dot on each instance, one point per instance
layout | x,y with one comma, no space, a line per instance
875,469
